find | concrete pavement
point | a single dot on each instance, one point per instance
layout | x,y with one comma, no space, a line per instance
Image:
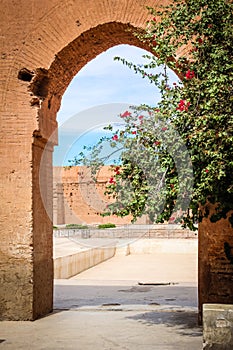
124,303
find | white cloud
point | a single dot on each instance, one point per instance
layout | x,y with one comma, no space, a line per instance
93,118
104,80
102,90
104,63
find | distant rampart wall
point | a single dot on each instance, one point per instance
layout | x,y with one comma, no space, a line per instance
78,199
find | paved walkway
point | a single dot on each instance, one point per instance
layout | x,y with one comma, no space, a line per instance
133,302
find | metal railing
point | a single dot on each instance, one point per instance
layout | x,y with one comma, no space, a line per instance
128,231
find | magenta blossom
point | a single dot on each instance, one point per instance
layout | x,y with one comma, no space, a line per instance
116,170
157,143
190,74
112,181
183,105
115,137
125,114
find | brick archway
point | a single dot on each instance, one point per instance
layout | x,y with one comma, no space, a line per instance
43,45
50,85
40,41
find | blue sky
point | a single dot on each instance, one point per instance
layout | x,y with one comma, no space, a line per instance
101,90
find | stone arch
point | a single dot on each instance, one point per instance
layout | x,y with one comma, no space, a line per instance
34,50
50,85
47,87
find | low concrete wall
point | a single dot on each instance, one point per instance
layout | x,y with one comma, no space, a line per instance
72,258
217,327
71,265
158,245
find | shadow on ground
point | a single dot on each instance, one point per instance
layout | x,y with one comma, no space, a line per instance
185,322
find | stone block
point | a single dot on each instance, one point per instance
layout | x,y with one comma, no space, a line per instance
218,326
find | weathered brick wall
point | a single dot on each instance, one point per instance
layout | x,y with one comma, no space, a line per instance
215,262
42,226
78,199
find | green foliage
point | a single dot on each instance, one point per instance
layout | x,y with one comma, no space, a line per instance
180,154
76,226
108,225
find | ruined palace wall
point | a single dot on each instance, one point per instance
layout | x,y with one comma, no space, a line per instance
78,199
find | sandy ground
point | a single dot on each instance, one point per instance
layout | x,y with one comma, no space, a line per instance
133,280
159,267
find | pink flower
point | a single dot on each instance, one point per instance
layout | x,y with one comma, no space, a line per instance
206,170
164,128
134,132
111,180
140,117
115,137
183,105
190,74
157,143
116,170
125,114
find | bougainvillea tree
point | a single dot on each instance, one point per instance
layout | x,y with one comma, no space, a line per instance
178,156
